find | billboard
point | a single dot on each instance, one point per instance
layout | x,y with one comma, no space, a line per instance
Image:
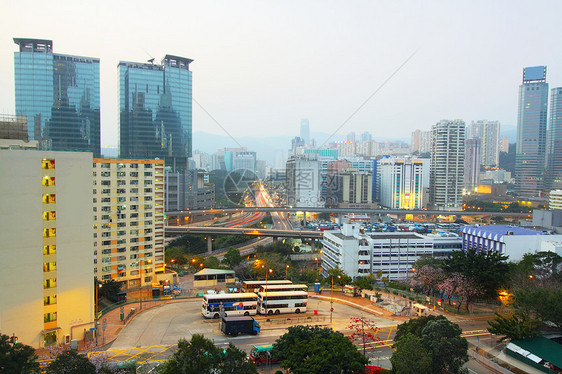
535,73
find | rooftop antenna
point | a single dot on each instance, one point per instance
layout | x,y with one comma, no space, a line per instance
151,60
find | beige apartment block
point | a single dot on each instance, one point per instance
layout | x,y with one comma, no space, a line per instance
46,253
128,221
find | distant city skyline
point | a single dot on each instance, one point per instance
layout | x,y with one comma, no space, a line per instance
259,68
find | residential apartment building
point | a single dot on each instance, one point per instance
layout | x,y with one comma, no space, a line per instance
531,132
447,164
47,251
402,182
60,96
393,254
421,141
155,104
128,209
488,132
472,162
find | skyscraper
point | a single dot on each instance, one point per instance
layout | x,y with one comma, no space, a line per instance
402,182
155,103
531,131
554,166
472,162
60,95
305,131
447,164
489,134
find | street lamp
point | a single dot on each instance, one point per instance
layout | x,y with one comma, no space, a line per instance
286,270
317,269
266,290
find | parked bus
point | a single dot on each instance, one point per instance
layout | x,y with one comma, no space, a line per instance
282,302
234,304
283,287
254,286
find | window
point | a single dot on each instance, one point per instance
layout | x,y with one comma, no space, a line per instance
50,317
49,283
148,214
50,300
148,174
134,174
48,163
106,251
106,259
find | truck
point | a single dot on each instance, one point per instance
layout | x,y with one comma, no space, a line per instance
239,325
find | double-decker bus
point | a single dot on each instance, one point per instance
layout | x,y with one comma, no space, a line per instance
254,286
234,304
282,287
282,302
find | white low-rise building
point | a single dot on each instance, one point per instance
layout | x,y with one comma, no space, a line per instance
393,253
511,241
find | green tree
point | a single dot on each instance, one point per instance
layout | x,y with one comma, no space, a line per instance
338,276
448,348
487,269
362,284
17,357
516,327
71,362
441,338
201,356
232,258
109,289
545,302
235,361
310,350
411,356
211,262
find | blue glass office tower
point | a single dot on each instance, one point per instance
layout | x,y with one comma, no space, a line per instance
531,132
156,110
60,95
554,168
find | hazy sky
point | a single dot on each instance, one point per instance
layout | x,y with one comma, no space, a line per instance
261,66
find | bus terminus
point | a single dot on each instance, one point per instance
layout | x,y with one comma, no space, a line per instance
234,304
282,302
254,286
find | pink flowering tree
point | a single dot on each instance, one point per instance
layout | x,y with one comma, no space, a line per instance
459,285
428,277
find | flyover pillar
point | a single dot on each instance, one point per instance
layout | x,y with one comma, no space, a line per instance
372,218
229,216
275,238
304,219
209,244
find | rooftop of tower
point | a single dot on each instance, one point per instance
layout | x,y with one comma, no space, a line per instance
34,45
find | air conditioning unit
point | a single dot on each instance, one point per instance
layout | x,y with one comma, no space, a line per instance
67,339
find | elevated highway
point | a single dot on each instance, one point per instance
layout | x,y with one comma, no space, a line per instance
275,233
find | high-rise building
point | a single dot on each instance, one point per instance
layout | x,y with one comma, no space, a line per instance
531,132
402,182
304,181
447,164
59,95
554,160
305,131
421,141
128,220
350,189
555,200
504,144
46,255
489,134
188,189
472,159
366,136
155,104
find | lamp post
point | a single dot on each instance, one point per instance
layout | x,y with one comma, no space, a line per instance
286,270
317,269
266,290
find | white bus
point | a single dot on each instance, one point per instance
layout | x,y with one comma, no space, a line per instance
282,302
282,287
234,304
254,286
